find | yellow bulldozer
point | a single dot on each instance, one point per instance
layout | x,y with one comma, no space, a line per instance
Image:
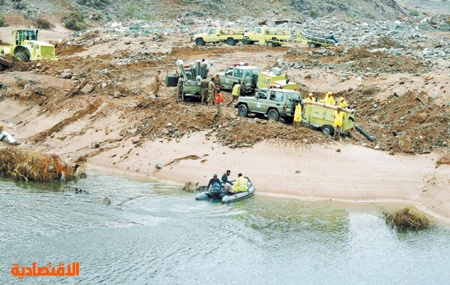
26,46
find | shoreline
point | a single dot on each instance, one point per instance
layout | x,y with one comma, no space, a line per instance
399,179
328,170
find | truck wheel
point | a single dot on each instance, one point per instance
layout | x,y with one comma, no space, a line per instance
270,44
243,110
22,56
273,115
312,45
327,130
231,42
200,42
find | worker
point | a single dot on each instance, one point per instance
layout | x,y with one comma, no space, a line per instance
217,82
297,114
343,104
225,176
310,98
235,93
329,100
242,91
211,89
204,85
338,118
240,185
218,99
214,183
179,87
157,83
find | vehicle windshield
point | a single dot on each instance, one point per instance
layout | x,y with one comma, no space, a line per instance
292,96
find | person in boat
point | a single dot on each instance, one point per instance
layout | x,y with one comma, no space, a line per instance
240,185
214,183
225,180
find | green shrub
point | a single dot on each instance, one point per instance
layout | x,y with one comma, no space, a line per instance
131,11
74,21
2,2
2,21
414,13
313,13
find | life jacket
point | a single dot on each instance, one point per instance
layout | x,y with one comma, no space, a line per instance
216,187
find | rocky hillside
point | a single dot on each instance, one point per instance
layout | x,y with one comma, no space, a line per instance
92,11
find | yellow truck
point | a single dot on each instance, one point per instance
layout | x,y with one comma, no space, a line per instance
26,46
274,79
267,36
321,116
217,34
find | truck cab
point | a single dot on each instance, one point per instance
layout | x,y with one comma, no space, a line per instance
242,72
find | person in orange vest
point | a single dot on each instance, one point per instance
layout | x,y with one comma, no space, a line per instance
338,118
218,99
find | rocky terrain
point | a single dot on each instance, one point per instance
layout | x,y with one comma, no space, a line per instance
394,71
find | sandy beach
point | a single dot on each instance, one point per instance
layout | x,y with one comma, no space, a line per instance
330,171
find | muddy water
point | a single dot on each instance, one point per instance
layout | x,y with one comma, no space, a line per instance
155,234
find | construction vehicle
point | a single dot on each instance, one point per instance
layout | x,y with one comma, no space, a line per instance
240,72
193,74
313,41
216,35
275,79
266,36
27,47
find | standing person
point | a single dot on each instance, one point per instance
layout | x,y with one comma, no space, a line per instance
343,104
235,93
179,87
157,83
329,99
211,89
204,86
338,118
297,114
242,92
218,99
217,82
310,98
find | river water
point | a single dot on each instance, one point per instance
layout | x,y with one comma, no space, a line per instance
152,233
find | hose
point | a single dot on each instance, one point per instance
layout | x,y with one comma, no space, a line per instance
364,133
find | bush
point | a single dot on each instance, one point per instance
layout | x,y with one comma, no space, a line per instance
2,2
313,13
74,21
42,23
407,218
2,21
414,13
131,11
